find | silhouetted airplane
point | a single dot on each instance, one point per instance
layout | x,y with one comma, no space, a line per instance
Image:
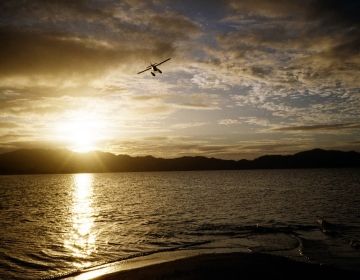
154,67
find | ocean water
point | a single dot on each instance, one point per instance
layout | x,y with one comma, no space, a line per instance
53,225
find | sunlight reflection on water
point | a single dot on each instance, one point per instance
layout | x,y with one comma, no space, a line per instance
82,240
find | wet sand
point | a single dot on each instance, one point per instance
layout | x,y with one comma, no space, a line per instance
232,266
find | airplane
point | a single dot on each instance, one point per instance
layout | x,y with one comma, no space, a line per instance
154,67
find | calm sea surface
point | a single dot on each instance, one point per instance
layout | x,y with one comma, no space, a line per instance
53,225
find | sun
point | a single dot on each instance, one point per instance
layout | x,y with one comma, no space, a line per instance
80,135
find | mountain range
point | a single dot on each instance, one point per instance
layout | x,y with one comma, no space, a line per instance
38,161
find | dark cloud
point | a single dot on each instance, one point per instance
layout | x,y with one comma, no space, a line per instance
8,125
329,30
174,24
261,71
275,8
271,147
332,12
84,37
53,11
197,101
10,143
26,53
345,12
33,53
320,127
180,146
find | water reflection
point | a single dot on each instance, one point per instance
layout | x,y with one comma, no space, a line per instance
82,240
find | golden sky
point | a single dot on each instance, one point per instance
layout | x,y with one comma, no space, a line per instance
246,77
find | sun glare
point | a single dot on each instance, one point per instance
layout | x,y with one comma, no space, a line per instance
80,135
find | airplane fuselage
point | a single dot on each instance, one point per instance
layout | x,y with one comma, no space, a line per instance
155,69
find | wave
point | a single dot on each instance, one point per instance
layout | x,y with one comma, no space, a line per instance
27,263
272,237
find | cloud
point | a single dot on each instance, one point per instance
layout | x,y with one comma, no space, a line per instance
320,127
327,11
228,122
174,24
32,53
205,80
294,43
82,38
50,10
12,144
188,125
171,146
8,125
197,101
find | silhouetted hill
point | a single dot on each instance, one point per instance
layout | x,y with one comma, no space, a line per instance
64,161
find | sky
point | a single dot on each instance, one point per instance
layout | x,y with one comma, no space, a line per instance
246,77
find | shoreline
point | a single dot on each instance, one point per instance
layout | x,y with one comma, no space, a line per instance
194,264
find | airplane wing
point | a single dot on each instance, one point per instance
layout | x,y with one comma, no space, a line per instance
147,69
162,61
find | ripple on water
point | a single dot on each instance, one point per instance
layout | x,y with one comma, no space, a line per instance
53,223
